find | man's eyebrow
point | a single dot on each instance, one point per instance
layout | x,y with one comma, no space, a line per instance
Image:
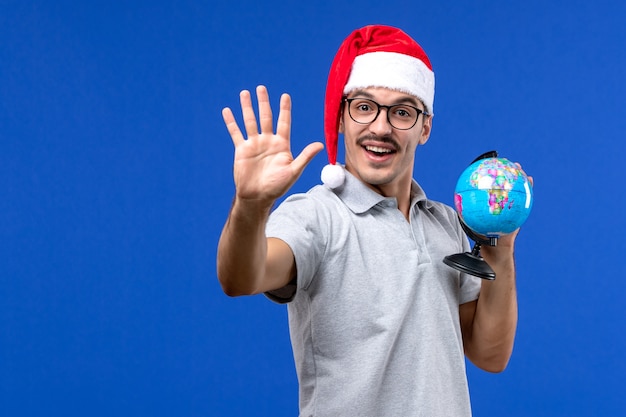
362,93
402,100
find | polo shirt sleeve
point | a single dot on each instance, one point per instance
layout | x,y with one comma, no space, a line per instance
299,222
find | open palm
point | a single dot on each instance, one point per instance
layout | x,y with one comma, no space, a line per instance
264,167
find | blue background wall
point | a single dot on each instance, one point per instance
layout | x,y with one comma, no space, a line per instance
115,180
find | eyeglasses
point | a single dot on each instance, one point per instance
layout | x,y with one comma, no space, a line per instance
399,116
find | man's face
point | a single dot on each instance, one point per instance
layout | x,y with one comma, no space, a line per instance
377,153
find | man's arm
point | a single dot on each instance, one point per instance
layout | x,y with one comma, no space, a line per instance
264,169
489,323
247,262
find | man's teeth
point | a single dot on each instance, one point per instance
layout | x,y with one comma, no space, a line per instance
377,149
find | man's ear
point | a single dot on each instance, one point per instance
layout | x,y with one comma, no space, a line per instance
426,128
341,124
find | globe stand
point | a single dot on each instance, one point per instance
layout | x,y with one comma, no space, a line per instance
471,262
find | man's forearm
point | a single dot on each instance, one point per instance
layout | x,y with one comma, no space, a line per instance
495,320
242,248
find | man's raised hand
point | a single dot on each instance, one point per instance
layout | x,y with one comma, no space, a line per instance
264,167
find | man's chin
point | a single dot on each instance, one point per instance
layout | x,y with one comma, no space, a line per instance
377,177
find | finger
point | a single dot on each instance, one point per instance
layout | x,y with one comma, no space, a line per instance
306,156
249,119
231,125
265,110
519,166
283,126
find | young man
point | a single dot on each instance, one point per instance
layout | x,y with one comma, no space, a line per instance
380,326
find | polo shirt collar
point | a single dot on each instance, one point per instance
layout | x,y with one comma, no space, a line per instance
360,198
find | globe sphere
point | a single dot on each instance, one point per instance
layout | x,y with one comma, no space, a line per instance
493,197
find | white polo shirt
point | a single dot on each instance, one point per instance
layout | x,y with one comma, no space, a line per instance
374,322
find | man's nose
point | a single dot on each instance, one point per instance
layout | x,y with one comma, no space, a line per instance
381,125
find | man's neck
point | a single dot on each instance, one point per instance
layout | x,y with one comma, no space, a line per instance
400,190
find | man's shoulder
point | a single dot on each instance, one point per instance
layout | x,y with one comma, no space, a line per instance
316,195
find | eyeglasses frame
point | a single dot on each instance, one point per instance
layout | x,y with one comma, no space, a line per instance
388,108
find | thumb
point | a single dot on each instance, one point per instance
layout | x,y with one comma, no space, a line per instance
307,154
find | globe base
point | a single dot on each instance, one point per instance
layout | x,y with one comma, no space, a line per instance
470,263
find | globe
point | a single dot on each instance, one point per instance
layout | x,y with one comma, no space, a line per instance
493,197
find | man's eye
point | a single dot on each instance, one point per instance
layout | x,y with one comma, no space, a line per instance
403,112
364,107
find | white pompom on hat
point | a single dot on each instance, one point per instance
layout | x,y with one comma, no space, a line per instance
373,56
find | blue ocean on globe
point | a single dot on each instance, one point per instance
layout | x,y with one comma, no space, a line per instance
493,197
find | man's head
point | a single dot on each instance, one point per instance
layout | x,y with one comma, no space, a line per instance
374,57
382,129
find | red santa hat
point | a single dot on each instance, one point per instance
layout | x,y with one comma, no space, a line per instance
373,56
